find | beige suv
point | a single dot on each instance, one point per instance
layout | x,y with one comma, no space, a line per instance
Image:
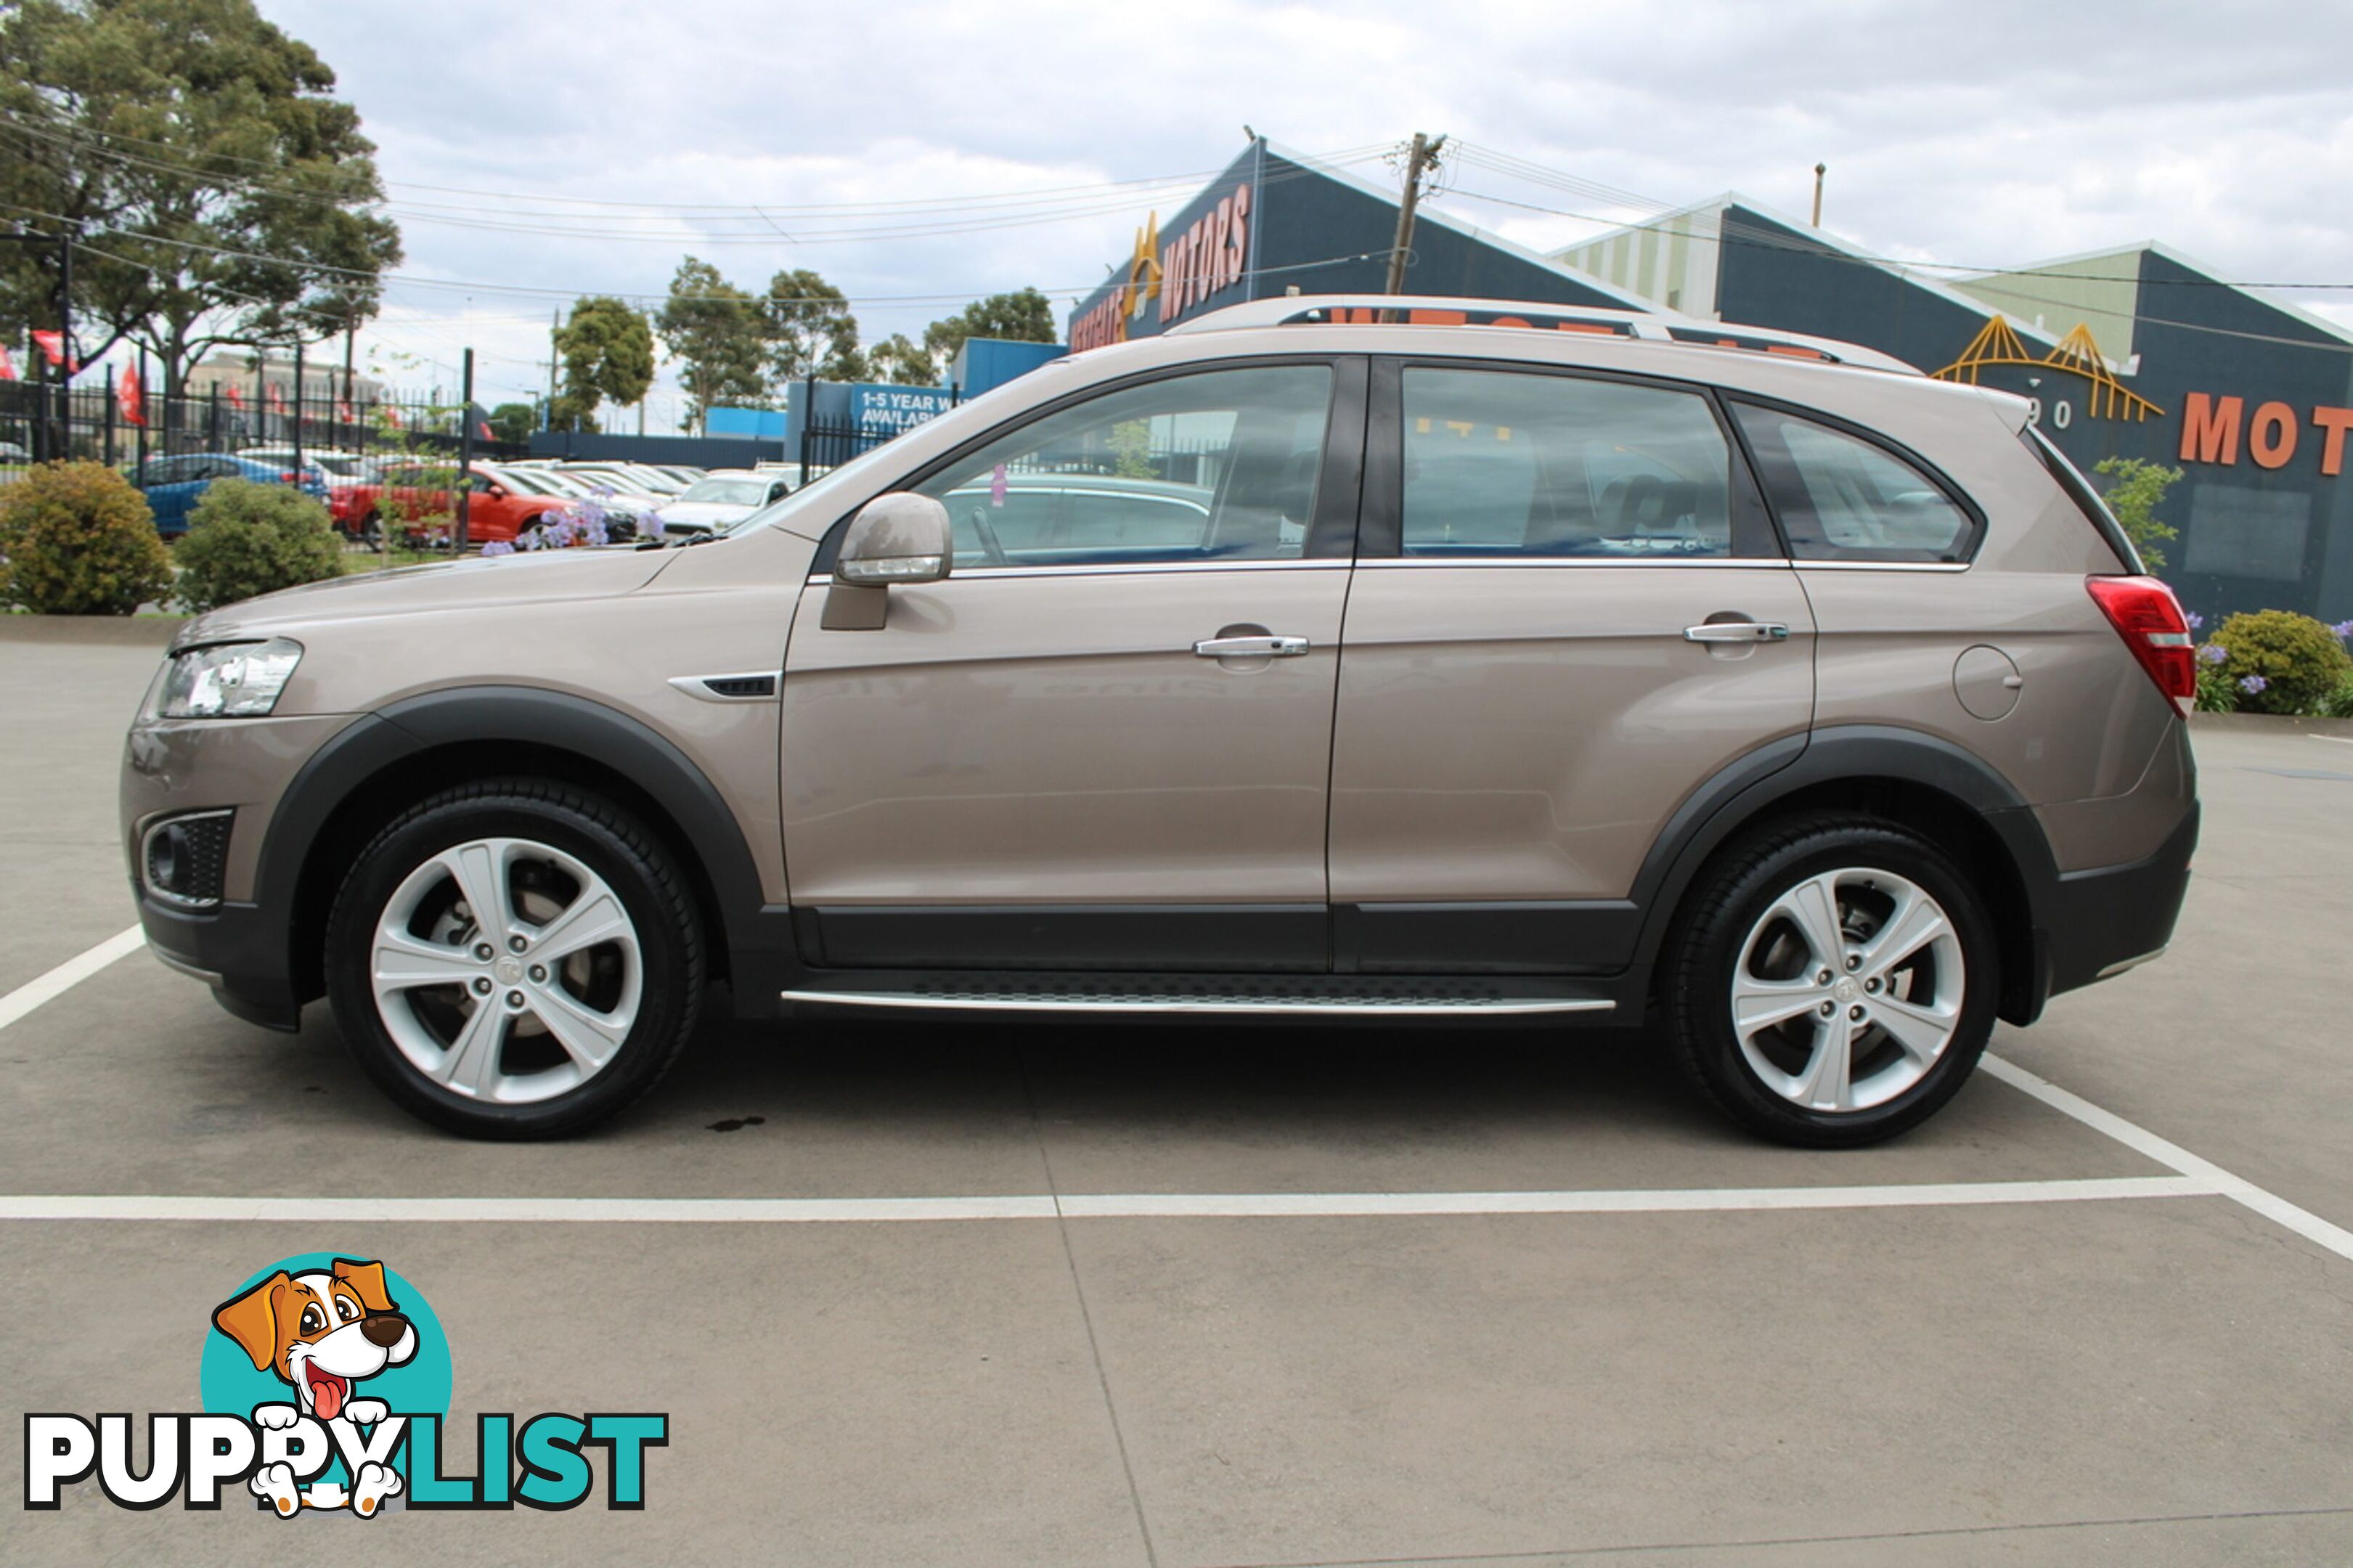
1501,663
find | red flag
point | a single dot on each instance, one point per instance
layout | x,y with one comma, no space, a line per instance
277,399
343,412
131,398
236,398
392,418
53,347
8,364
484,428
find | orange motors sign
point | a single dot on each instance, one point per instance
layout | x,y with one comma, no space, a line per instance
2212,428
1212,255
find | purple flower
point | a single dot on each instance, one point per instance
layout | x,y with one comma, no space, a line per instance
2252,684
498,547
2214,653
649,525
2343,628
2198,622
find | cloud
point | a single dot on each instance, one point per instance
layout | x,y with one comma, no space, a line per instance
1993,133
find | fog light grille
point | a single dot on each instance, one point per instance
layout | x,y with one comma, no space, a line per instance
184,858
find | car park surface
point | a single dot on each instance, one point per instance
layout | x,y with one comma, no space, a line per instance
1264,1355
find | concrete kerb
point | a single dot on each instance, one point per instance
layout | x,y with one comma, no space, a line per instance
110,631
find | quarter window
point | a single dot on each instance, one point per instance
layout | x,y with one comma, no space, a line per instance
1841,498
1218,466
1514,464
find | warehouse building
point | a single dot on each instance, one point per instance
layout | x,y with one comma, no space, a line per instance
2138,352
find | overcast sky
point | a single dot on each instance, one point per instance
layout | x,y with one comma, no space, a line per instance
1987,134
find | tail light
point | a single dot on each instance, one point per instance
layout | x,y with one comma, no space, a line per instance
2148,618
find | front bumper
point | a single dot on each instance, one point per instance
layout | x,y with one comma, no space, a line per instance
234,949
173,767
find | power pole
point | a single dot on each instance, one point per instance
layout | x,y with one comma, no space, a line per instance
1820,170
554,324
1422,159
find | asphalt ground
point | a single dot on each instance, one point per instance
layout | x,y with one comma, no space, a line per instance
1244,1296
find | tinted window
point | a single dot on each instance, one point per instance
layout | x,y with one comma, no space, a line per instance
1507,463
1218,466
1841,498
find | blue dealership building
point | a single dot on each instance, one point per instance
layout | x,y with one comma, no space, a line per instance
2133,352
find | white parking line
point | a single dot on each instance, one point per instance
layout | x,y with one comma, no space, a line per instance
1080,1206
2340,740
2173,1156
67,975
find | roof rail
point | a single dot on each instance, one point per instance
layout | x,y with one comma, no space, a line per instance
1529,315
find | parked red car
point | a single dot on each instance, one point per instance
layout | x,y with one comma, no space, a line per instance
416,500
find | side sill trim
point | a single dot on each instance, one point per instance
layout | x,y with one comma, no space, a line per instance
1313,1006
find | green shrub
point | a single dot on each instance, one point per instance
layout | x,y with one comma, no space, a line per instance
246,538
2281,662
2339,704
76,540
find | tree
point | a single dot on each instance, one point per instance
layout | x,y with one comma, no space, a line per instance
1025,316
513,421
220,195
810,329
607,351
2136,489
901,362
718,336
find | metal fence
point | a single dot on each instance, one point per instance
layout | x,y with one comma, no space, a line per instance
96,424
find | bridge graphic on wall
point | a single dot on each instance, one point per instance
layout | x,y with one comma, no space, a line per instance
1997,343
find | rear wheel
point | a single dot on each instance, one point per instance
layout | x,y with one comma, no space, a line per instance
1832,981
514,959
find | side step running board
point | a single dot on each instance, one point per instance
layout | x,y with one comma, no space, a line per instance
1398,1004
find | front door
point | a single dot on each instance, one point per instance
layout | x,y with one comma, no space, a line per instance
1571,612
1105,739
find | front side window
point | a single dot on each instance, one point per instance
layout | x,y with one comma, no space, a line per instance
1215,466
1509,463
1841,498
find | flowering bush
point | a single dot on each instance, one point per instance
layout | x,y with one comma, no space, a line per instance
2276,661
2339,704
76,540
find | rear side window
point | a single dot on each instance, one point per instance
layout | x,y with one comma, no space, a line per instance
1841,498
2087,499
1504,463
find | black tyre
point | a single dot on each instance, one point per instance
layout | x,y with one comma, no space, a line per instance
1830,981
514,958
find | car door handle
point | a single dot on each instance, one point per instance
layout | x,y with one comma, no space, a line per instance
1250,647
1737,631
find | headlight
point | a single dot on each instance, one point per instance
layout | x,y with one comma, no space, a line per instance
233,680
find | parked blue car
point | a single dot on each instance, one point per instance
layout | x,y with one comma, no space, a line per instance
173,485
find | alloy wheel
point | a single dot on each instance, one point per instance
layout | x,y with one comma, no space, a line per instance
1848,990
506,970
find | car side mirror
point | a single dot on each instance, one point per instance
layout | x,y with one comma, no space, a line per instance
897,538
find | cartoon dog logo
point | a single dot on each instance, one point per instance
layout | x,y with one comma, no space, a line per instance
321,1333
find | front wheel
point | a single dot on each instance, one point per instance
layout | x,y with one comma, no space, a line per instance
514,959
1832,982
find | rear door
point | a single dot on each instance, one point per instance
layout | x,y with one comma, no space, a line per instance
1569,611
1105,739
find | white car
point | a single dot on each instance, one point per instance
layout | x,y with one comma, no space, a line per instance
720,500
